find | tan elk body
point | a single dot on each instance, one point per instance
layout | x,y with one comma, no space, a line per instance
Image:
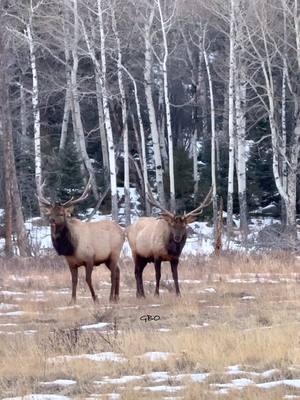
160,239
149,238
85,243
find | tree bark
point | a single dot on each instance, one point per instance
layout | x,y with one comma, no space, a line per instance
107,120
142,142
240,97
151,109
167,110
124,121
76,113
231,135
35,106
13,206
213,144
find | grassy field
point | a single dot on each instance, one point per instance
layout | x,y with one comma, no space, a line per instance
233,334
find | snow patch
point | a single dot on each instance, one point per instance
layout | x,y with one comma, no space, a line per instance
156,355
59,382
99,325
163,388
105,356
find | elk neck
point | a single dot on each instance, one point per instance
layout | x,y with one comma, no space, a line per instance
62,239
175,248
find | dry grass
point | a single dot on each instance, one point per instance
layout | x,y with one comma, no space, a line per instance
241,310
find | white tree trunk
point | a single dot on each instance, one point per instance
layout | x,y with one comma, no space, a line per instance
151,110
284,167
167,110
124,121
213,142
195,160
161,126
68,98
107,120
23,109
104,148
143,140
103,139
36,110
65,121
76,113
240,97
232,72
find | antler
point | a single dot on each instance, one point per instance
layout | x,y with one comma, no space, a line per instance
206,202
155,203
84,195
42,200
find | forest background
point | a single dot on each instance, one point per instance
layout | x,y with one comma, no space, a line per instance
182,95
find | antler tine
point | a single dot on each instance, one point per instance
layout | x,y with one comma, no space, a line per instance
41,198
155,203
206,202
84,195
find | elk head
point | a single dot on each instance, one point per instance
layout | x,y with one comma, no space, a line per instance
178,223
58,213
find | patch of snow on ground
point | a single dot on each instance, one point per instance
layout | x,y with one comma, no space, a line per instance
59,382
163,388
234,369
13,313
197,326
288,382
99,325
11,293
107,396
105,356
156,355
235,384
6,306
200,377
158,376
119,381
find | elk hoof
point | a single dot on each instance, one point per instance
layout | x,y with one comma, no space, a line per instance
72,302
140,295
96,300
156,293
114,299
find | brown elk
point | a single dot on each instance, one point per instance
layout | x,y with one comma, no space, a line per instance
84,243
160,239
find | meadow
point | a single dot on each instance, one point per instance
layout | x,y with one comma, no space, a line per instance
233,334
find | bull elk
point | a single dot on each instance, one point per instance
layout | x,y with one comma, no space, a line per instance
84,243
160,239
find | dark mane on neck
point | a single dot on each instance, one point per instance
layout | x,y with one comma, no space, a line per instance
174,248
63,241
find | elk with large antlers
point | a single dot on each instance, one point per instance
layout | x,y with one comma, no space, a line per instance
84,243
160,239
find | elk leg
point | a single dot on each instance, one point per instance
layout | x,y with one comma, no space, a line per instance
140,264
174,265
157,265
88,278
117,287
114,280
74,274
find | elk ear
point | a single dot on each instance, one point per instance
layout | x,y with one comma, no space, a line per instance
46,210
69,211
190,219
